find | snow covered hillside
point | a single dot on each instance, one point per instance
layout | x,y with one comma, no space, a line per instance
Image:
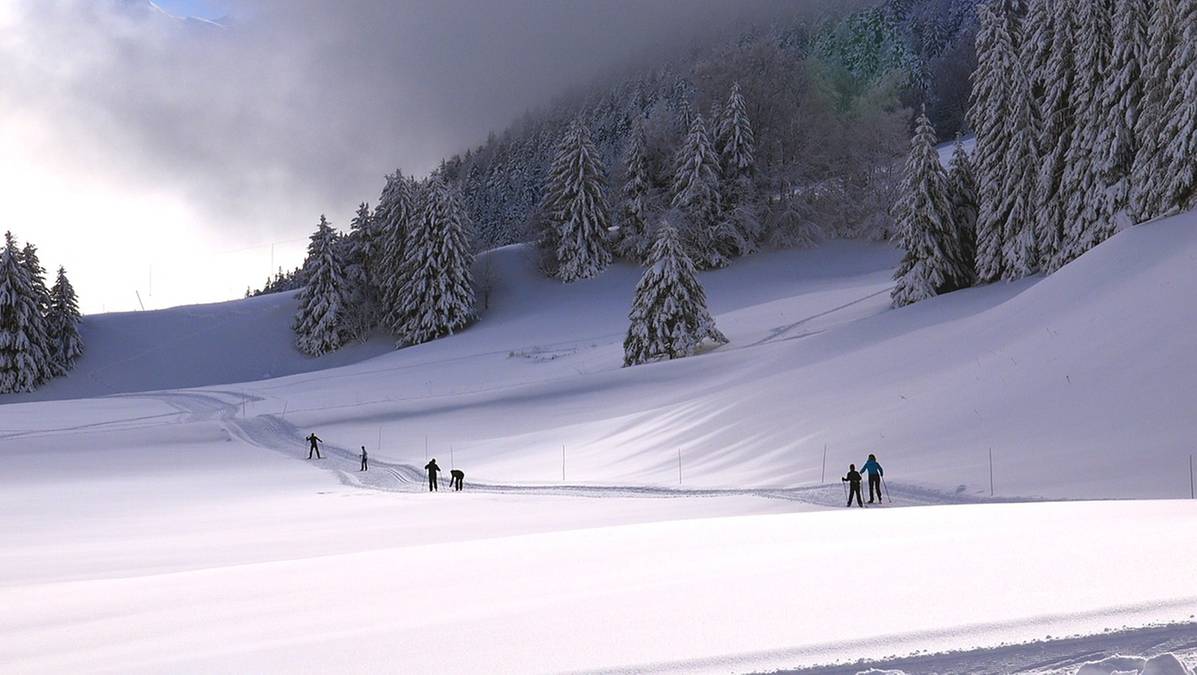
182,530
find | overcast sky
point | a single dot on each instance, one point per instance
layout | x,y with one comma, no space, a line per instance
131,140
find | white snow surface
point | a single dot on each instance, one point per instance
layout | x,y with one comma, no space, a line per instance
180,530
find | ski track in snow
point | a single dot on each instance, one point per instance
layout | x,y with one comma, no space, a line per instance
273,432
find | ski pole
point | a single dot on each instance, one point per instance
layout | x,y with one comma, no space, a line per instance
886,488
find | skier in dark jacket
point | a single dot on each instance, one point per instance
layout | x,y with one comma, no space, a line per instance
365,460
455,478
853,479
313,440
433,470
875,472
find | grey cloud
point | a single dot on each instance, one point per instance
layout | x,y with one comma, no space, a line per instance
300,106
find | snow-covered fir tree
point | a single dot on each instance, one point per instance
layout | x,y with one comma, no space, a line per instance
1124,91
634,241
932,263
1148,177
696,194
392,221
736,145
669,316
1082,183
438,292
39,334
1020,175
324,303
361,255
577,208
62,324
990,105
1055,73
1180,118
962,194
22,363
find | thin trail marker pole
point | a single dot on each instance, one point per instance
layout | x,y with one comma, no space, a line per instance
679,466
823,476
562,462
452,464
991,472
1192,488
425,447
284,410
379,439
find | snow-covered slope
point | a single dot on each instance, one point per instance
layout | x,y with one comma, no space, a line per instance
181,530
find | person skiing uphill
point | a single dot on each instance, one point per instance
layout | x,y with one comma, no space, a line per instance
433,470
853,478
455,478
365,457
875,472
313,440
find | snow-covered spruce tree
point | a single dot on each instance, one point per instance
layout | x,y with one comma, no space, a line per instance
931,264
1055,130
1180,119
22,364
392,221
1124,91
320,324
438,293
736,145
576,207
62,324
361,254
962,194
696,194
1147,174
669,317
1082,182
1020,175
39,334
987,114
634,241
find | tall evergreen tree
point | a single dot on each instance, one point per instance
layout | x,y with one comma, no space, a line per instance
392,222
1019,255
62,322
1055,132
1180,118
696,194
22,364
361,254
990,107
1082,181
736,141
1124,91
438,293
320,323
1148,177
669,317
962,193
930,265
634,241
736,145
38,330
577,208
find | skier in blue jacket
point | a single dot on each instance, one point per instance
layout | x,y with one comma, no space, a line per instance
875,473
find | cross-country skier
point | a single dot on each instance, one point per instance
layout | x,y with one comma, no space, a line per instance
875,473
853,479
433,470
365,457
313,447
455,478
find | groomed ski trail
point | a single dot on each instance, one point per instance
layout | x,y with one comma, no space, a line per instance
231,409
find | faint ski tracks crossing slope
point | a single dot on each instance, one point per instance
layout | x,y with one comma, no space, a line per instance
272,432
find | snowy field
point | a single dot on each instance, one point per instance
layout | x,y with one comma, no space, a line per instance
149,528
